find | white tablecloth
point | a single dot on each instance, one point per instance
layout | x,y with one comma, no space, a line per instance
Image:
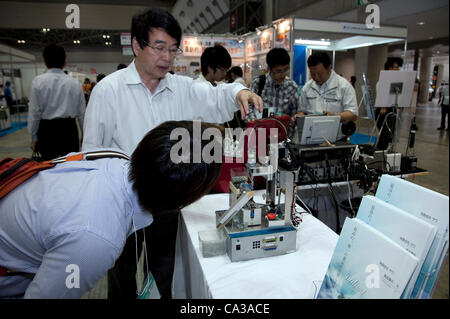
295,275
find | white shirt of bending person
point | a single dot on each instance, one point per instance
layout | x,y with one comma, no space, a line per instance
54,94
121,109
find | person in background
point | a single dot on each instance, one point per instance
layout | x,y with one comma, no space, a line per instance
78,214
113,121
56,100
445,105
121,66
236,75
353,80
275,88
87,87
215,62
2,96
228,78
384,115
327,92
100,77
8,94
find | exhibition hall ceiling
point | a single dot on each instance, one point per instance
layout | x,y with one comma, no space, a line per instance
430,22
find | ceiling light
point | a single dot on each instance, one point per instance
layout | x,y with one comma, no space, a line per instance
20,41
76,41
312,42
420,23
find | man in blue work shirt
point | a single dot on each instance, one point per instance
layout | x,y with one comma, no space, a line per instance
61,230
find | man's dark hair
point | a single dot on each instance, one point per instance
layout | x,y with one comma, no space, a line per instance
121,66
388,65
319,58
143,24
214,57
390,62
160,183
100,77
277,56
236,70
54,56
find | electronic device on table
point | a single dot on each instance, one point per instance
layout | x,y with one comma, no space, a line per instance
255,230
316,129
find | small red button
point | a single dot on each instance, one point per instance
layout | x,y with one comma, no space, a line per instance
272,216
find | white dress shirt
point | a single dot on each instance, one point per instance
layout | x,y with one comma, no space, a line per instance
122,109
239,80
54,94
76,213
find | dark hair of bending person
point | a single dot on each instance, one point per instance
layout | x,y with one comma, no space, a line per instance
173,185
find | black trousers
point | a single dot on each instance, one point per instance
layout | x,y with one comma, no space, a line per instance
57,137
387,128
444,114
160,239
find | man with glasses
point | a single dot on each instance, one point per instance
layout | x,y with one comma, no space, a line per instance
215,62
128,103
279,93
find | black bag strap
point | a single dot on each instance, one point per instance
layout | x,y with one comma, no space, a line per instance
261,84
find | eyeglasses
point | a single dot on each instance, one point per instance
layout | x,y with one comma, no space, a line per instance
280,71
163,50
223,69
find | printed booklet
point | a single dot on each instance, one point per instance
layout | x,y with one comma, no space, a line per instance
429,206
408,231
366,264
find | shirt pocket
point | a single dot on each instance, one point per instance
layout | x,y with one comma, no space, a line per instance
333,103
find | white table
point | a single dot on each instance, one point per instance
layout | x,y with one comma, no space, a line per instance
296,275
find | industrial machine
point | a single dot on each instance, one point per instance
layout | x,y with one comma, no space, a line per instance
256,230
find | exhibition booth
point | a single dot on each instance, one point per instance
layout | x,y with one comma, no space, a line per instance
297,35
310,189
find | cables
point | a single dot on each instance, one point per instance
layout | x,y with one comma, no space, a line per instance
330,187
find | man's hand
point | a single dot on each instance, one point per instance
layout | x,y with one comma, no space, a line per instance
33,146
296,115
246,96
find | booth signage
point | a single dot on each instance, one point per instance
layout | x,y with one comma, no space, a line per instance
259,44
356,28
125,38
16,73
283,35
194,46
127,50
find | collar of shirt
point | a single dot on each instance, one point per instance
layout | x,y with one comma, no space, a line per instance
201,78
271,82
329,84
132,77
141,217
55,70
